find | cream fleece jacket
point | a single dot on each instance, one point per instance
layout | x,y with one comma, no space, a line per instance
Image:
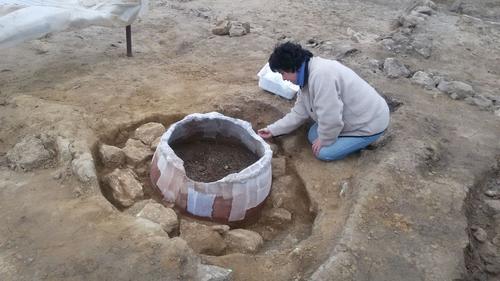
340,101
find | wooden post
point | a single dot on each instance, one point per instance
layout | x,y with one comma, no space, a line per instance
128,33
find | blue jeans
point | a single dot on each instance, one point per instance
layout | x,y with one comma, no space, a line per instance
342,147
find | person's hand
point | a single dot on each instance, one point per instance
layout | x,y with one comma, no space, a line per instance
316,146
264,133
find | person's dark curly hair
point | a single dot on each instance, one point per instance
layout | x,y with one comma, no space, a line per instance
288,57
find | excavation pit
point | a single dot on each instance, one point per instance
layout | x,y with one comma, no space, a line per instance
214,167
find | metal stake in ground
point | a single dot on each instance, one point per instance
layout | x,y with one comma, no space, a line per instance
128,33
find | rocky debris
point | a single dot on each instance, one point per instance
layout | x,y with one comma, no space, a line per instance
202,238
155,143
111,156
479,101
63,150
222,28
356,37
243,241
278,215
231,28
394,68
214,273
493,192
391,101
456,90
278,166
136,152
422,44
239,29
137,207
148,132
479,234
375,65
493,206
344,51
221,228
457,6
83,168
165,217
424,79
125,188
30,153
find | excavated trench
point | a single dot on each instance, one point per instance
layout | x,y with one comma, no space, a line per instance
285,218
482,208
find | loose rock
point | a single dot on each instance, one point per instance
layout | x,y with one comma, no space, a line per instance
125,188
394,69
239,29
221,229
479,101
202,239
479,234
214,273
493,206
30,153
243,241
136,152
111,156
83,168
278,215
423,79
166,217
222,28
63,150
148,132
456,89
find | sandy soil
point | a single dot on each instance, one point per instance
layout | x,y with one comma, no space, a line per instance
400,215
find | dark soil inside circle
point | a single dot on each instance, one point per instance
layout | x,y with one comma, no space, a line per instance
211,159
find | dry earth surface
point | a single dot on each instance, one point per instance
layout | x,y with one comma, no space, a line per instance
406,209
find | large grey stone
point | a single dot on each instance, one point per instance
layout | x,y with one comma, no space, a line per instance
202,238
166,217
136,152
214,273
493,206
243,241
30,153
111,156
394,68
125,188
148,132
456,89
423,79
83,168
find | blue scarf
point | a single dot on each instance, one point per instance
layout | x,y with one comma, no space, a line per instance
301,75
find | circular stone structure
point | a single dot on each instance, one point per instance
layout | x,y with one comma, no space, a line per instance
230,199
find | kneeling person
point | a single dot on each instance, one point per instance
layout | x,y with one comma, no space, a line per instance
349,114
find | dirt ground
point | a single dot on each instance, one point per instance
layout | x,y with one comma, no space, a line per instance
402,210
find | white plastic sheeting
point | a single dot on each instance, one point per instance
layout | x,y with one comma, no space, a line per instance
237,192
273,82
23,20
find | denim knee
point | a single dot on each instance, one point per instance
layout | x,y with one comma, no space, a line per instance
323,156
